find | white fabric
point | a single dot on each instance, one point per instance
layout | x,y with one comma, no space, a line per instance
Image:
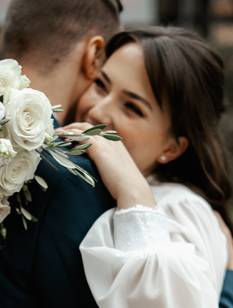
172,256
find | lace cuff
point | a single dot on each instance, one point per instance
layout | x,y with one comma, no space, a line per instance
139,228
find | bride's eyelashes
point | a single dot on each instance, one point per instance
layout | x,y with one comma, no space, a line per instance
100,85
134,108
130,106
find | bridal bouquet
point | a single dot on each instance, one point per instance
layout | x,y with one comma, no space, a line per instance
27,136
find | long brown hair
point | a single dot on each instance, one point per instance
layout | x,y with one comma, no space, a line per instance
188,75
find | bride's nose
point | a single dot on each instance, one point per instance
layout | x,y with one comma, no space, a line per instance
101,113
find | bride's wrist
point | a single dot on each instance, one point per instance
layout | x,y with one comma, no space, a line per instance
143,196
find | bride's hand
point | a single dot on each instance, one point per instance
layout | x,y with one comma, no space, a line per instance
227,233
117,169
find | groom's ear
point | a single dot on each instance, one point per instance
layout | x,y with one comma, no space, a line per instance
93,57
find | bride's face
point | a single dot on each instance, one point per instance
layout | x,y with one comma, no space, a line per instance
122,98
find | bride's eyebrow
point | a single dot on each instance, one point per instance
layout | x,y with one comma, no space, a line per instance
138,98
106,78
128,93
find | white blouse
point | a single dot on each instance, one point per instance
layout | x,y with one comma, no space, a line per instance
172,256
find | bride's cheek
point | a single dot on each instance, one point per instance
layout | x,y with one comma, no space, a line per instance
84,105
90,99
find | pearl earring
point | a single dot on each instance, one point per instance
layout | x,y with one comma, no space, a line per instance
163,158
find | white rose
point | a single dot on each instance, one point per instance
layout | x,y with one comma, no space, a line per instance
2,111
4,209
6,151
24,82
30,118
18,171
11,76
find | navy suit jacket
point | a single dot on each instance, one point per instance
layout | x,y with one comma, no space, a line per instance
226,300
42,267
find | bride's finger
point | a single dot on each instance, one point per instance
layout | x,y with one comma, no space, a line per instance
71,134
72,131
77,125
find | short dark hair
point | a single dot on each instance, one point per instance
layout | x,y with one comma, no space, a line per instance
186,76
47,30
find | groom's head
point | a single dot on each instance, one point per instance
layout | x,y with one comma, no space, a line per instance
45,31
60,40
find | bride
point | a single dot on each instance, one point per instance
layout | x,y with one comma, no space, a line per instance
161,90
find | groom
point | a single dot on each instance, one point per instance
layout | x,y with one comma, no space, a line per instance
60,45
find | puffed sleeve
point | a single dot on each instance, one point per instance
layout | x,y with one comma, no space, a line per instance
171,257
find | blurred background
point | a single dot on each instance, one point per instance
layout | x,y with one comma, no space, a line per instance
213,19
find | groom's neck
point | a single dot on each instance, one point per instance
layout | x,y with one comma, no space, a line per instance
58,86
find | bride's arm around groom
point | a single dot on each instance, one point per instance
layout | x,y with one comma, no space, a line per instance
141,256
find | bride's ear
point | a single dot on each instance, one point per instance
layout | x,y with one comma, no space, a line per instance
93,57
174,149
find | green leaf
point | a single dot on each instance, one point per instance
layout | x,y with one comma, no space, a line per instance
24,223
79,138
72,136
95,130
27,193
57,108
84,175
80,149
112,137
25,213
77,152
65,134
62,144
3,231
59,144
65,162
4,121
51,141
61,153
41,182
84,146
72,167
54,138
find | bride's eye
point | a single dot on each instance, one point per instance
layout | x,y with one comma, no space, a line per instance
134,108
100,85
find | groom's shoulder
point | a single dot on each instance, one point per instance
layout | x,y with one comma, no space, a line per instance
67,189
70,203
53,172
